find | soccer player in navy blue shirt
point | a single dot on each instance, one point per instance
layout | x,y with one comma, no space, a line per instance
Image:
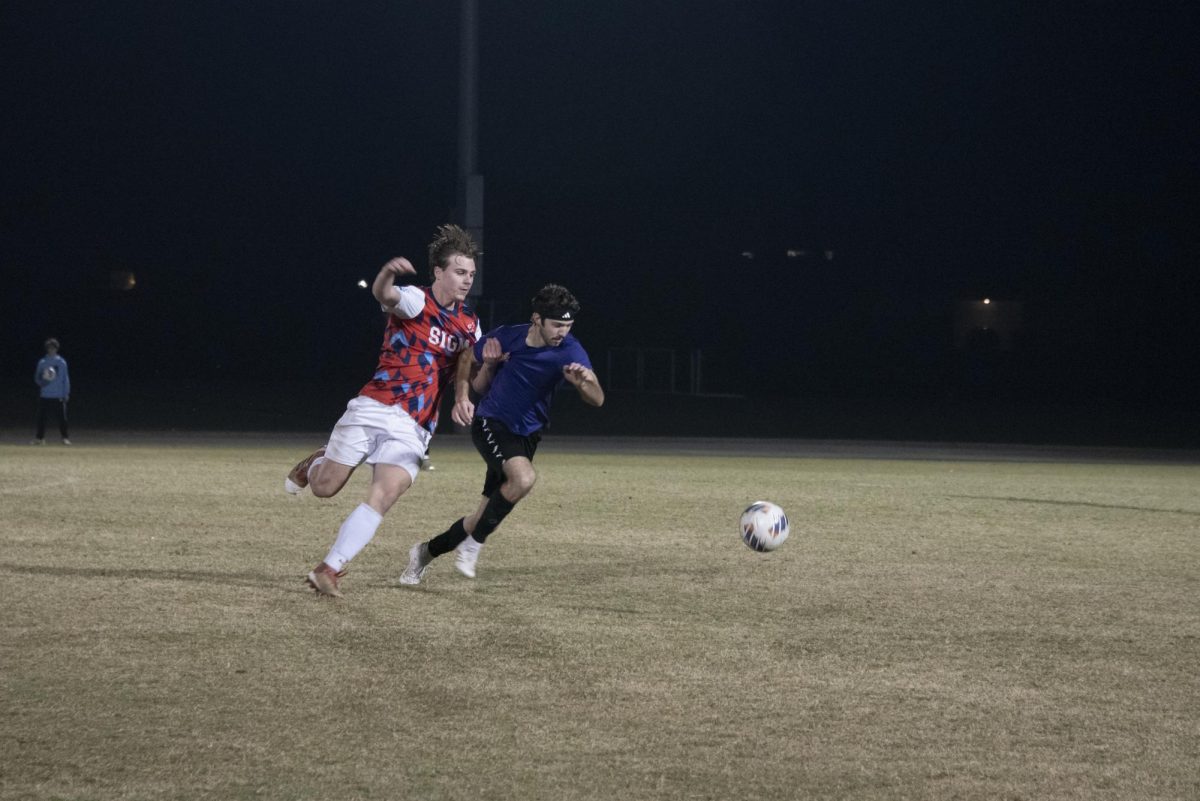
520,367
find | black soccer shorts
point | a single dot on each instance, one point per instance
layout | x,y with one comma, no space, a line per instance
496,444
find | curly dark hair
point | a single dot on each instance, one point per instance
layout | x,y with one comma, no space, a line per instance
555,302
450,239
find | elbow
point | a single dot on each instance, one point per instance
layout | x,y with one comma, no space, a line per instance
384,292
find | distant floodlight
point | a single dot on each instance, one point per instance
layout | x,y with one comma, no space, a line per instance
122,280
362,284
986,301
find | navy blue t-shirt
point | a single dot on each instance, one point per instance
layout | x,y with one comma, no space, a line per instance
524,384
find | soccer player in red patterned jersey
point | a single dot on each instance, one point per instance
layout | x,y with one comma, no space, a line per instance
390,423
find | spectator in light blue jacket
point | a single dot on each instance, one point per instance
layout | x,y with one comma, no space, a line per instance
52,378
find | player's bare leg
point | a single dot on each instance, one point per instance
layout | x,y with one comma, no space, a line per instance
388,483
326,478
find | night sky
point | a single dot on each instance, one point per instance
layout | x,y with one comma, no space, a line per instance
249,162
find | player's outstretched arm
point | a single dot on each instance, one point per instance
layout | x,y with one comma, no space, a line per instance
586,382
384,287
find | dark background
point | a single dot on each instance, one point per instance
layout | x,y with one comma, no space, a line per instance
249,162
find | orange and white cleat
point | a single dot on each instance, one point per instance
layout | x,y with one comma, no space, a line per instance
297,479
324,579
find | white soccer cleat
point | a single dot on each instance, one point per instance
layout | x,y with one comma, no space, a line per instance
291,487
418,563
465,556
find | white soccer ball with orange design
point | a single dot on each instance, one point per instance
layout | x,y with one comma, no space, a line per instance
764,526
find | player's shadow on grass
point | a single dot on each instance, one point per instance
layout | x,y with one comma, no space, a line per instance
127,574
1079,503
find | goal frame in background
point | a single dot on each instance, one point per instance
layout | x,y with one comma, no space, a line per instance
634,369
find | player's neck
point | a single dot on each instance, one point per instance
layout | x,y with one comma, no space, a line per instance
444,298
534,338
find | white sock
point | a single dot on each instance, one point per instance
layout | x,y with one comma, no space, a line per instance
353,536
470,544
313,466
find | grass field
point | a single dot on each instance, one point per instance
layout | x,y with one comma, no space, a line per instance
933,629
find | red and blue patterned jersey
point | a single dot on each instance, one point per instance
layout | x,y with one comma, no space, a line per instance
418,358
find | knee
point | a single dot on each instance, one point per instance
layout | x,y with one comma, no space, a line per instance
519,484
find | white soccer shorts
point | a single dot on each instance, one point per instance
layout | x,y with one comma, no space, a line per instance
376,433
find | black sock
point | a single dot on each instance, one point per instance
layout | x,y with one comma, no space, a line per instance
448,540
496,510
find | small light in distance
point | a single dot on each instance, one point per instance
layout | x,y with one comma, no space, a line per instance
987,301
122,280
362,284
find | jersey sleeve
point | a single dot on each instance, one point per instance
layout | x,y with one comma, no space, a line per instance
412,301
479,338
578,354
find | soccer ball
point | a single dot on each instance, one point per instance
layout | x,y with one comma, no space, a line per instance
764,526
49,373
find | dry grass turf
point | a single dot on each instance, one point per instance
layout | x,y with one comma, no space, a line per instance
933,629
